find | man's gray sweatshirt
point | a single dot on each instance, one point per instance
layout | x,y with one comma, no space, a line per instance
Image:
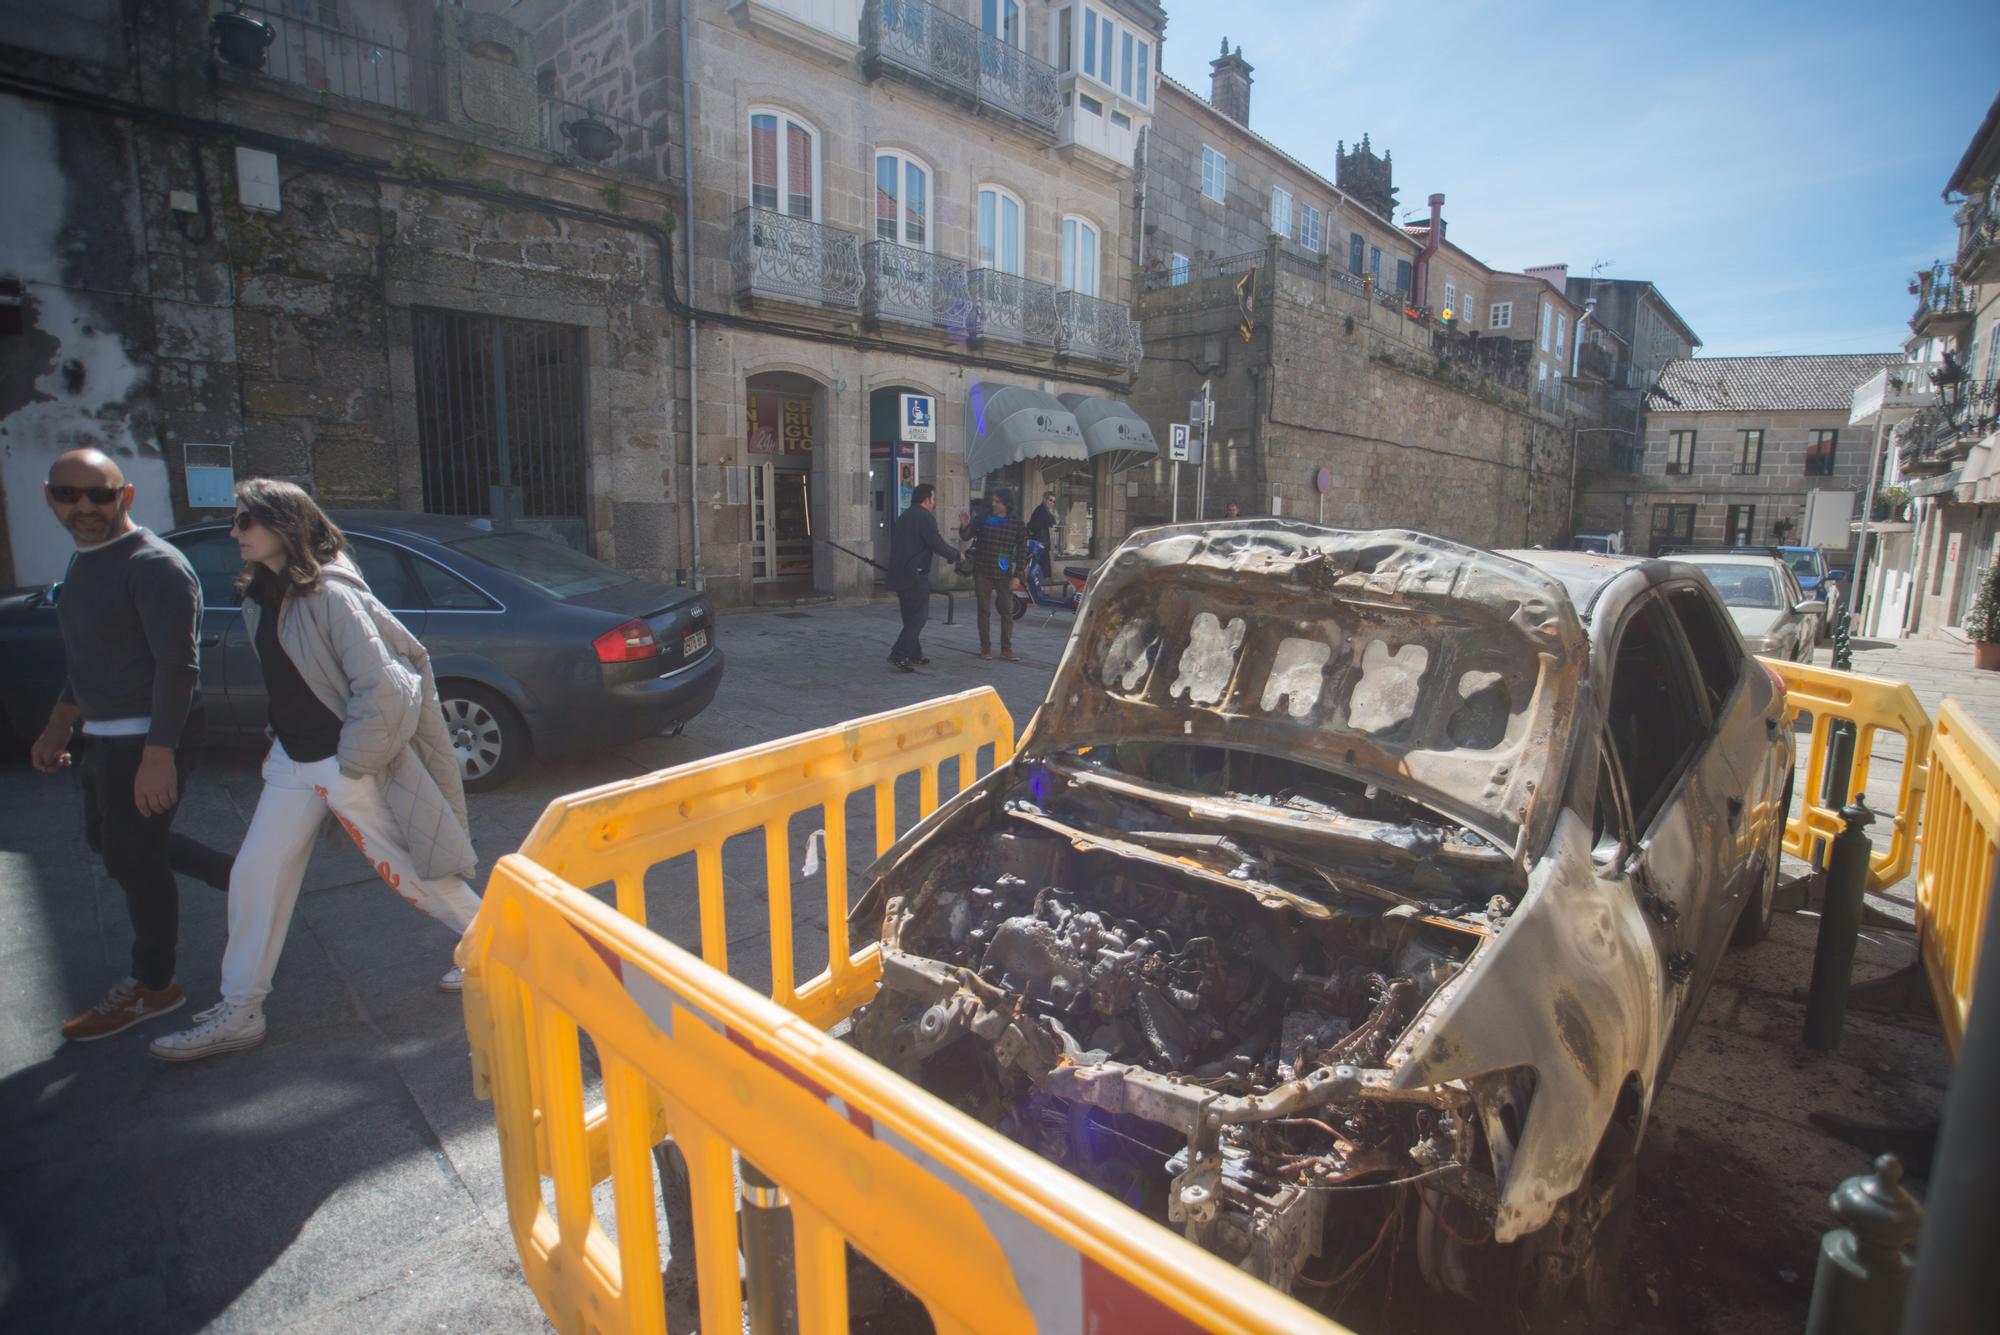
130,613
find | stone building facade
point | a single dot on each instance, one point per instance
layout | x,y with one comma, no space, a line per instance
1314,365
1732,447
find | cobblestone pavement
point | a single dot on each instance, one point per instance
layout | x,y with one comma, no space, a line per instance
342,1176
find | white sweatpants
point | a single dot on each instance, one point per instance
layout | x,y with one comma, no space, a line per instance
270,868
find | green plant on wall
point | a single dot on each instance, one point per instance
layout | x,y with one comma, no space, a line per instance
1982,623
414,165
614,197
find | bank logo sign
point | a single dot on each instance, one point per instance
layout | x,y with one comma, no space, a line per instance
919,419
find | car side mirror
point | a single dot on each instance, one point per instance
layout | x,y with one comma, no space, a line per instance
1836,575
1811,607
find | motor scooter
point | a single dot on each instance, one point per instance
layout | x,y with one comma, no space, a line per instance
1035,587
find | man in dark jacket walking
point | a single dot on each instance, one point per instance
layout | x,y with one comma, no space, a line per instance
1041,528
998,545
912,544
131,620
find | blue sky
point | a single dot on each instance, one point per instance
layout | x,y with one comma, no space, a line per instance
1775,168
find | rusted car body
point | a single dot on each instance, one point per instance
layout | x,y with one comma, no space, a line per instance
1349,886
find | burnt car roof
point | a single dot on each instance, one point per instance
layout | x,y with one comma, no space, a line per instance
1442,671
1584,574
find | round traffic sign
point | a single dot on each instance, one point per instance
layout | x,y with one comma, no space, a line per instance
1323,481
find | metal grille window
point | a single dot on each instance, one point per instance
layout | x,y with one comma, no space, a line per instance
1742,525
1819,453
1750,451
1680,452
500,420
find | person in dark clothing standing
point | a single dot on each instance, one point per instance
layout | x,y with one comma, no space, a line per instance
999,542
913,543
1041,527
130,612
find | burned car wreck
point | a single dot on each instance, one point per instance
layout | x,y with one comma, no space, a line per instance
1341,901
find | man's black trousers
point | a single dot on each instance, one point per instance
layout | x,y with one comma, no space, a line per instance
916,607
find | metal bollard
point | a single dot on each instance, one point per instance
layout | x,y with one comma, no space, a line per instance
1839,926
771,1305
1864,1265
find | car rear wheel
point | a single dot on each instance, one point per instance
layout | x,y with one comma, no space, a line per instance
486,732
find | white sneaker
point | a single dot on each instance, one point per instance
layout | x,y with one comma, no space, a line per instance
226,1027
453,980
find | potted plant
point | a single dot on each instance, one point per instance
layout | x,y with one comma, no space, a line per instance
593,140
1982,623
242,40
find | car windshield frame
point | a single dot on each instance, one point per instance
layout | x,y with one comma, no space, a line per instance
1728,591
518,552
1803,564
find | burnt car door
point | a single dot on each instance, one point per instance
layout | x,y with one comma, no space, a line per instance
1659,729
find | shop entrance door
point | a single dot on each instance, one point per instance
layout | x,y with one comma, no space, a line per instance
781,530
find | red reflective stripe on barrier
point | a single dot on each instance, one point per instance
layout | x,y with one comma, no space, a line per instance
616,965
861,1120
1113,1303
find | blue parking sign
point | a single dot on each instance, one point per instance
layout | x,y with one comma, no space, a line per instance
919,419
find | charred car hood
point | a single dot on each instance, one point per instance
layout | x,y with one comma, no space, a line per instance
1446,673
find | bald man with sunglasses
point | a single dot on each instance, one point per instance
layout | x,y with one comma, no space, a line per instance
130,612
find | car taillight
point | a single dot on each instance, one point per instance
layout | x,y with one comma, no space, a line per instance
632,642
1777,678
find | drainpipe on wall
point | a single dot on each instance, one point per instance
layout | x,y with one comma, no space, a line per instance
693,325
1420,283
1576,353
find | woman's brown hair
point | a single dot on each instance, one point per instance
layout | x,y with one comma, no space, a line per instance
309,538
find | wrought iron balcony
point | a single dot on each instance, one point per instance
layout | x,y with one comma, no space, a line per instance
335,57
913,40
1101,331
1944,305
911,286
1979,237
777,257
1008,308
1933,438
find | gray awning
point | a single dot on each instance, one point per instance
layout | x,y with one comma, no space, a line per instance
1934,486
1112,431
1006,424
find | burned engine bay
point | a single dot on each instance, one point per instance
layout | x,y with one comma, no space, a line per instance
1195,1004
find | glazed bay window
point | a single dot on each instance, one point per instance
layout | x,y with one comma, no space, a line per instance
784,164
1281,211
1312,228
1214,174
1749,452
1079,257
999,230
902,200
1680,452
1819,453
1501,316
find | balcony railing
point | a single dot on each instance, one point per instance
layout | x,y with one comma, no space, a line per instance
922,43
914,286
782,258
1979,237
347,59
1008,308
1943,302
1099,330
1932,438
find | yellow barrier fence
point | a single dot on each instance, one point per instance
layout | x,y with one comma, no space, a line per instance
989,1236
1955,878
1874,705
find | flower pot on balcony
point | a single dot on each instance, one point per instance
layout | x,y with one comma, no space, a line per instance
593,140
242,40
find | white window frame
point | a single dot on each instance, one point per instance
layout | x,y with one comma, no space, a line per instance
999,8
1001,195
1069,265
784,171
1548,324
1177,270
1451,299
1471,299
1215,172
1562,332
904,161
1281,211
1500,315
1312,228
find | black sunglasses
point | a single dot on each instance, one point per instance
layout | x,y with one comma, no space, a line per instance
62,494
244,521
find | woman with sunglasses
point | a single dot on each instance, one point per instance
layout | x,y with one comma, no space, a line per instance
356,729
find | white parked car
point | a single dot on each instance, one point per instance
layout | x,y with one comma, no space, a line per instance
1775,617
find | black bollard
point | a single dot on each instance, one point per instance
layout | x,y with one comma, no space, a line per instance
771,1305
1864,1265
1839,926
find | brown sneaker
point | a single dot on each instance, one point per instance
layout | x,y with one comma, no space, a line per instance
125,1005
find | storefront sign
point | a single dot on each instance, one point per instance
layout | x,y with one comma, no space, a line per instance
919,419
780,423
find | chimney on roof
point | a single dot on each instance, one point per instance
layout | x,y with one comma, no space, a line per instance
1229,84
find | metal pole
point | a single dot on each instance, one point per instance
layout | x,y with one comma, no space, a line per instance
1839,926
1957,1286
1177,491
1864,1266
1201,470
770,1294
1861,550
693,329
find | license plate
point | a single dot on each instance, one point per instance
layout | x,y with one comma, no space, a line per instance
693,643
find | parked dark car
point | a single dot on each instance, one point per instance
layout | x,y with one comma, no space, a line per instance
538,649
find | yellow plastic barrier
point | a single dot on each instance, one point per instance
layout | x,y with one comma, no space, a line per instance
1955,878
988,1235
1873,705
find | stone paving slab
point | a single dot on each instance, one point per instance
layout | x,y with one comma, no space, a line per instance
342,1176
